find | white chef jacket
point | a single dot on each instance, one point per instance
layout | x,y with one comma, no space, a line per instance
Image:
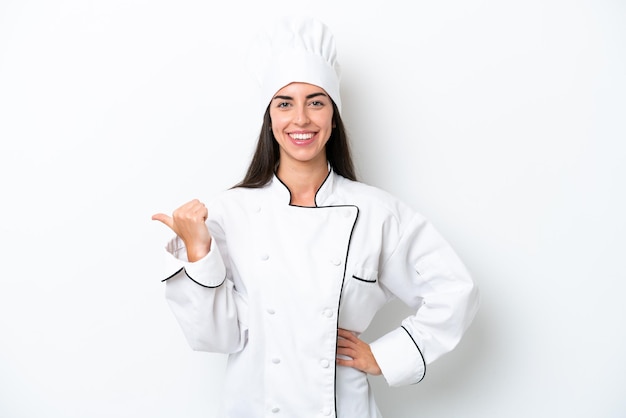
280,279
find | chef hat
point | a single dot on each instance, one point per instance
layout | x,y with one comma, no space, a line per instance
296,49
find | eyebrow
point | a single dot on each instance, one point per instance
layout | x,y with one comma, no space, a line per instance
310,96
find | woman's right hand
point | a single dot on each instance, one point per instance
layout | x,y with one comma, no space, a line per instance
189,223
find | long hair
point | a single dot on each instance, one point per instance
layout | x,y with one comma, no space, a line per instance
267,154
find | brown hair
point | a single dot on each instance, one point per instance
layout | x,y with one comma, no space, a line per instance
266,157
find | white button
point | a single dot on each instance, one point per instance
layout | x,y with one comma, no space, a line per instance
257,209
265,257
327,411
271,311
336,261
275,360
328,313
324,363
275,409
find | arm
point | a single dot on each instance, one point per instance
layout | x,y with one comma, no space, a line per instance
204,301
426,274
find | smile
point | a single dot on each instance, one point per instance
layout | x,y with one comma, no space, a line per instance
301,137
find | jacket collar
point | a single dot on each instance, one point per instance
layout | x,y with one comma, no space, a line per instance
281,192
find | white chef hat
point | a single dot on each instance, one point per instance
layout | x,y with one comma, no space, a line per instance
295,49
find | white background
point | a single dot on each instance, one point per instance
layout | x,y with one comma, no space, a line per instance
503,122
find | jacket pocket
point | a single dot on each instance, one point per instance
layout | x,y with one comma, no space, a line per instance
361,298
365,275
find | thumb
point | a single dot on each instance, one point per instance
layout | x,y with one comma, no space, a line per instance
163,218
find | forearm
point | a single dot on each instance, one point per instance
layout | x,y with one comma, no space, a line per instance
209,310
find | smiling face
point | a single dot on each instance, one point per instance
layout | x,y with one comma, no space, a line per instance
302,121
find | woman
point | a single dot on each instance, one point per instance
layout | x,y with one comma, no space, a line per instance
285,270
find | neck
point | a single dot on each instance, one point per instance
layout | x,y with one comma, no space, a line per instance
303,181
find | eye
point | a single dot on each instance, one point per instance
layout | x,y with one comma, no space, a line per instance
282,105
317,103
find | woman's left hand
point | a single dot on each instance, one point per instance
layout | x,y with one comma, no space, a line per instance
359,353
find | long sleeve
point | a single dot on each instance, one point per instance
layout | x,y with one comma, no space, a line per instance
425,273
209,310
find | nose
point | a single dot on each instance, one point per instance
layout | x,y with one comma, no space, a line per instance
302,116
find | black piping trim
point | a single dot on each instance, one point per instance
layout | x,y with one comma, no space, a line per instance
190,278
345,268
169,277
420,351
281,182
363,280
320,188
314,199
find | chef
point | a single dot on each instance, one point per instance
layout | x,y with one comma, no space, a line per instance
285,270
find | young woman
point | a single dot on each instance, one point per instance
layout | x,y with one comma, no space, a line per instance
285,270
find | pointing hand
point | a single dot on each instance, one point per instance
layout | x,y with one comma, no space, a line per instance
189,223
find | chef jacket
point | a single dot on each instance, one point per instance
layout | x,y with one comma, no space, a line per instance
280,279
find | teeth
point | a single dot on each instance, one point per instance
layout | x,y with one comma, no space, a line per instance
301,137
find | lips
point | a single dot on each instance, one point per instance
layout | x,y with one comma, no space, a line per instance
302,138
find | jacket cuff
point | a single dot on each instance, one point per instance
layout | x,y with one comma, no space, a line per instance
209,271
399,358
